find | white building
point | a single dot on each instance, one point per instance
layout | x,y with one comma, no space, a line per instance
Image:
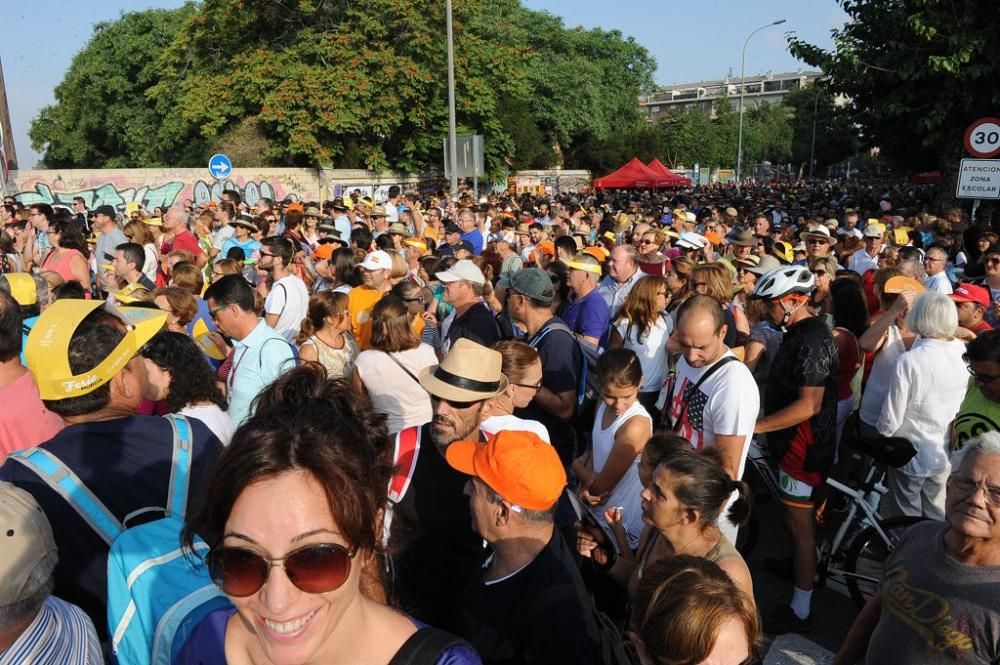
770,87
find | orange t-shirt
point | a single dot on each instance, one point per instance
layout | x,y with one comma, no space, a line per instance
360,302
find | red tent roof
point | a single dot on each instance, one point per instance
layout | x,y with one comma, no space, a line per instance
634,175
657,167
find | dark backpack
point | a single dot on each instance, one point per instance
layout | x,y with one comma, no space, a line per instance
426,646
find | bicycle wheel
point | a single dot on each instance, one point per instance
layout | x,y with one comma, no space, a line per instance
867,555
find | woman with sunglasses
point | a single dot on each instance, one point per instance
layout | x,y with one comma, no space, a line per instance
824,270
522,366
293,517
68,256
650,245
558,274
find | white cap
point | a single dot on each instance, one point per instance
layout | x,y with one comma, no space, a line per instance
873,231
690,217
377,261
464,270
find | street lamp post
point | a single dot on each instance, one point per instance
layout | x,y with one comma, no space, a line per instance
812,146
743,64
452,141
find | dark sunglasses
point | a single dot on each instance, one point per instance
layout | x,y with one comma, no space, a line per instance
819,273
994,260
314,569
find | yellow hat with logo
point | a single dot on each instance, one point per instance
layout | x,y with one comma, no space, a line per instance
47,352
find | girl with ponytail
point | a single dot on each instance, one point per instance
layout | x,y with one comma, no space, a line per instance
325,336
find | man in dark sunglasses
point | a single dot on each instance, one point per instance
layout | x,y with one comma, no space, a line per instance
437,553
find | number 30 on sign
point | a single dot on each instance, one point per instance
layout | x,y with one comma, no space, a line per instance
982,138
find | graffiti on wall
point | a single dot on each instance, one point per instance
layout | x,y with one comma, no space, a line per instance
158,196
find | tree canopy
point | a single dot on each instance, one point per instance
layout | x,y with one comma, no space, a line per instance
330,83
917,72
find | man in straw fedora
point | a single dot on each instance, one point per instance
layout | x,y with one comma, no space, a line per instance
437,551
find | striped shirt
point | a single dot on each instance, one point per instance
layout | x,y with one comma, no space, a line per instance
61,634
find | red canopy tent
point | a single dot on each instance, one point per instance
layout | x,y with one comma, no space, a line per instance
671,179
634,175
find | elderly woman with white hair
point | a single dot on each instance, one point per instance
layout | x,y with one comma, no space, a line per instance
925,393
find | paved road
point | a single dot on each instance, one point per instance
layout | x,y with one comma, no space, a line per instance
833,609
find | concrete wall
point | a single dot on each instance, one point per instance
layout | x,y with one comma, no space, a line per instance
166,187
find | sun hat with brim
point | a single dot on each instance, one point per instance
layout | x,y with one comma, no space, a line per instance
470,372
748,262
820,232
742,237
901,283
378,211
327,227
22,288
397,229
246,221
463,271
312,211
874,230
517,465
765,265
47,351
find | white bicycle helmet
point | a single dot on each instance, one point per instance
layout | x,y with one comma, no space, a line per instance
779,282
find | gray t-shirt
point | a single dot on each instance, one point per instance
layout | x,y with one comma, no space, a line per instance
935,609
106,243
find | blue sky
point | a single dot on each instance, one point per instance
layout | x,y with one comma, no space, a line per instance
695,40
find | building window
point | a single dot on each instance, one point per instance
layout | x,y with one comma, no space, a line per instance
772,86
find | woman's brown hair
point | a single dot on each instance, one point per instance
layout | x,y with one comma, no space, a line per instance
188,277
290,431
138,232
639,309
517,357
619,367
228,267
181,301
391,331
681,603
719,280
321,305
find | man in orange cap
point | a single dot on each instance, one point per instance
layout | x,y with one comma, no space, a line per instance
530,604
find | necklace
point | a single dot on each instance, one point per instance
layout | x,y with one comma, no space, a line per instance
331,345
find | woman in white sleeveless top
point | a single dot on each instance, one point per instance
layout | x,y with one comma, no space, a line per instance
325,337
609,474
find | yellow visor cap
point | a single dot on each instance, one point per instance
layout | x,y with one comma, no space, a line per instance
47,351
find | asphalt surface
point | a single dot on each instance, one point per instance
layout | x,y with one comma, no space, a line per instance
833,611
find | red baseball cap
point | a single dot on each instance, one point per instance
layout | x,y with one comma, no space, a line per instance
971,293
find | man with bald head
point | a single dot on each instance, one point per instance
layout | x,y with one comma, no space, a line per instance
177,236
623,273
715,400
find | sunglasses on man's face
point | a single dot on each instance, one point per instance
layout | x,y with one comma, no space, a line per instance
241,572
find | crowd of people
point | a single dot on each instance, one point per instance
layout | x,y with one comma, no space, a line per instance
504,430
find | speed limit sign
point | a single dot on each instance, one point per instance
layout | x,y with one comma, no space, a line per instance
982,138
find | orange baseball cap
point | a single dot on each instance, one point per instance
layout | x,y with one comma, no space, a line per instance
901,283
323,252
518,466
546,247
598,253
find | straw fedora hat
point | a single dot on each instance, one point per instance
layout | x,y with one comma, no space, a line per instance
469,373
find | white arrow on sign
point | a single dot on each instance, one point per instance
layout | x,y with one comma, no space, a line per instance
220,169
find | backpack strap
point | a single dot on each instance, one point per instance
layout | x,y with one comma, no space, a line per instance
425,647
54,473
180,466
405,451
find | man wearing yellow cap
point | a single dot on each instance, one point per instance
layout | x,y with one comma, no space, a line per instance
587,315
84,358
530,604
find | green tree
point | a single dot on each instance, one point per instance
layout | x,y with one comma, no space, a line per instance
917,72
836,134
102,116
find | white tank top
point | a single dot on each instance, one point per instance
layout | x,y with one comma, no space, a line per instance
626,492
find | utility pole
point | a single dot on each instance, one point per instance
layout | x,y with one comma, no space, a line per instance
6,133
452,140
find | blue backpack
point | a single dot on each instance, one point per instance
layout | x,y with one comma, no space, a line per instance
158,591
